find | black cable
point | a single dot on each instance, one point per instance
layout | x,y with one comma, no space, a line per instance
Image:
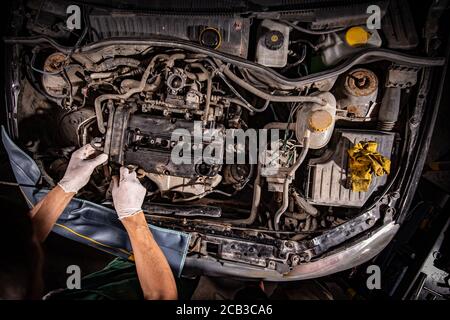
33,58
304,41
309,31
296,63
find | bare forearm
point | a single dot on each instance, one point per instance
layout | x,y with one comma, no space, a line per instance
45,214
155,275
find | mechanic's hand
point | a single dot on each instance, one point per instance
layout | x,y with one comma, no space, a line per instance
128,193
80,168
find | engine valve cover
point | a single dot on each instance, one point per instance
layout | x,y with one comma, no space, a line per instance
147,142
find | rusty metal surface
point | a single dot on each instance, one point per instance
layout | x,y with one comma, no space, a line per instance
355,254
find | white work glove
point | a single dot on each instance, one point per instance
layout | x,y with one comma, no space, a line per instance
80,168
128,193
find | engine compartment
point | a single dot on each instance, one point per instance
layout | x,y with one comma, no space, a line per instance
240,137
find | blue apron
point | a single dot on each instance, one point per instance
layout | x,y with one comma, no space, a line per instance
90,223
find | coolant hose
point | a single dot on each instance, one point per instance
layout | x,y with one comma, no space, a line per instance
389,109
302,203
290,175
113,63
267,96
257,185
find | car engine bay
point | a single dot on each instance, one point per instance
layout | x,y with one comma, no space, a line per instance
241,127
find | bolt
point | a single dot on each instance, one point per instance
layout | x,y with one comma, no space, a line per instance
305,256
390,211
295,259
237,25
289,244
395,195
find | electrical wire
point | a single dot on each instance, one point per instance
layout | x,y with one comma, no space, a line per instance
309,31
307,42
33,58
296,63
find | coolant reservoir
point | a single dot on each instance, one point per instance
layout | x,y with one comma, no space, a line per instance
339,45
318,119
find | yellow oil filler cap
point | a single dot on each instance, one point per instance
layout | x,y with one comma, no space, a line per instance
356,36
320,120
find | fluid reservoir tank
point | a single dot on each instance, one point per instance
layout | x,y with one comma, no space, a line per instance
340,45
272,47
318,119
